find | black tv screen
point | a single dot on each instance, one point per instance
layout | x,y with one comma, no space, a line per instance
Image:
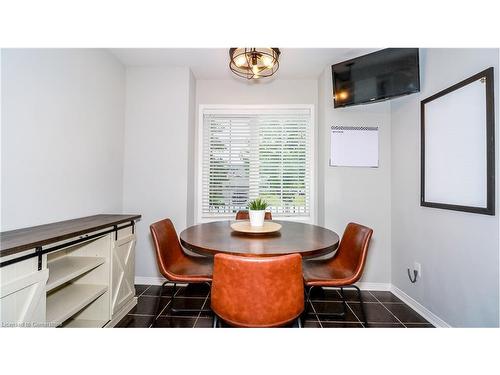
377,76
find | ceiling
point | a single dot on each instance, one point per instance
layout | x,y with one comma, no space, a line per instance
213,63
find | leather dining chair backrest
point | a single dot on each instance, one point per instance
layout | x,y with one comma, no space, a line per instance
257,291
167,246
244,215
353,248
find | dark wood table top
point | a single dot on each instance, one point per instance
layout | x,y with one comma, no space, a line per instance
218,237
15,241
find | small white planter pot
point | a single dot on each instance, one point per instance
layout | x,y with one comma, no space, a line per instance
257,218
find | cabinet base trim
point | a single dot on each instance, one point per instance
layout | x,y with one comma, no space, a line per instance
121,314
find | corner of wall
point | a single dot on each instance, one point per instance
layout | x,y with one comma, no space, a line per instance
321,146
191,148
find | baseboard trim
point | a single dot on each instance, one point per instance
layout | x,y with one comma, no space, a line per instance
383,287
145,280
369,286
432,318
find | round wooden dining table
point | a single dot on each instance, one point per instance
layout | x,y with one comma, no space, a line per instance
293,237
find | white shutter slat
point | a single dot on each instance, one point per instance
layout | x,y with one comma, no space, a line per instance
256,153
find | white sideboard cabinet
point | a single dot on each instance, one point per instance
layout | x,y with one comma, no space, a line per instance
74,273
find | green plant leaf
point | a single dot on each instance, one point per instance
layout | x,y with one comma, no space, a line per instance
257,204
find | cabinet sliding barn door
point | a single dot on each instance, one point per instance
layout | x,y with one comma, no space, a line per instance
122,272
22,294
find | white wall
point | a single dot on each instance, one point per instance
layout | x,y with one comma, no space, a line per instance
459,251
156,153
239,91
361,195
62,135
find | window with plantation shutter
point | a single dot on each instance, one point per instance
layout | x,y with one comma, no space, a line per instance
256,153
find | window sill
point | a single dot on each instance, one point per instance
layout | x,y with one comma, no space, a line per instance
299,219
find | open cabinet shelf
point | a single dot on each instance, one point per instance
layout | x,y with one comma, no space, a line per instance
64,269
62,304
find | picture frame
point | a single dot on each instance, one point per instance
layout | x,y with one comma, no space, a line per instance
458,146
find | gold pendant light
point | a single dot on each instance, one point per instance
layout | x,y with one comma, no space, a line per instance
254,63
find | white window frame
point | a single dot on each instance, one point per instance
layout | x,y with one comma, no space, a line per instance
238,109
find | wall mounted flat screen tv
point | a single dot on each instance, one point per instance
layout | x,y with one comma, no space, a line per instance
377,76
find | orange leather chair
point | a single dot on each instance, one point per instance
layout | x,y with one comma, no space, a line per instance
244,215
257,291
174,264
344,268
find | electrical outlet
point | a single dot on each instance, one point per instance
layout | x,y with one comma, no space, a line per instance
418,267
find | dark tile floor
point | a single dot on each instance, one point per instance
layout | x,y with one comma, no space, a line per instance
383,309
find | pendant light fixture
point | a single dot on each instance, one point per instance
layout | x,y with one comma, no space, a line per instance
254,63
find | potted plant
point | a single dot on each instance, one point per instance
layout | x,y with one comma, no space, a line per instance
257,211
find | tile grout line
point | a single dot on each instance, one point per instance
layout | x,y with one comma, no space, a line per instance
362,324
162,310
168,303
144,291
164,307
347,304
140,295
388,309
400,303
202,306
315,314
359,320
155,317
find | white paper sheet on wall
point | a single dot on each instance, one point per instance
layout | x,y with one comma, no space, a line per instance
455,147
354,146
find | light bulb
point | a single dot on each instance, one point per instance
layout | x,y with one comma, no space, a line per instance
268,61
240,60
343,95
255,69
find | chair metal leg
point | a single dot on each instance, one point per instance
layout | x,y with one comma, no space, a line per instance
325,314
215,321
172,297
365,320
307,298
303,317
328,314
175,311
158,300
344,303
308,293
299,322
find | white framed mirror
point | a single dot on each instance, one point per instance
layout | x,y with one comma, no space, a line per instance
458,147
